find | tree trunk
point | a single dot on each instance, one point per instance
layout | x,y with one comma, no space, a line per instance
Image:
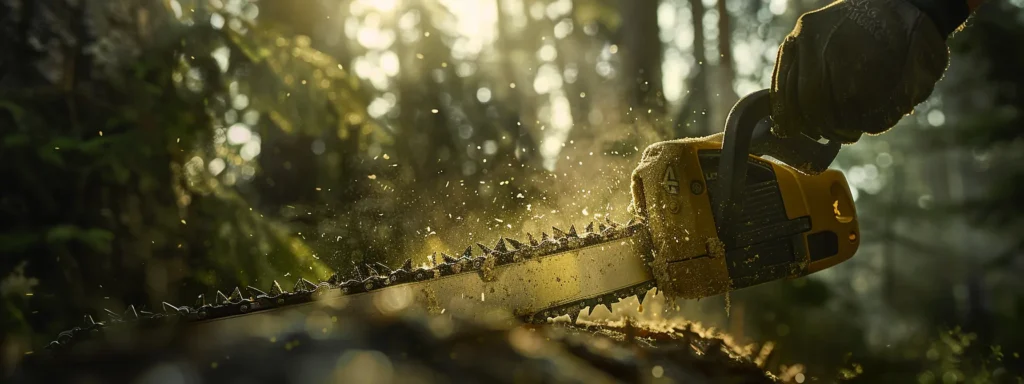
521,116
641,54
725,73
693,119
568,47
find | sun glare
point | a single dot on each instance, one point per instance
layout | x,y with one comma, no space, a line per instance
384,5
475,18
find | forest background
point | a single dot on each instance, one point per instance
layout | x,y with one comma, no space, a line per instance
155,150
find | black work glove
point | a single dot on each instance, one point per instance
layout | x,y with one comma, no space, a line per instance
858,66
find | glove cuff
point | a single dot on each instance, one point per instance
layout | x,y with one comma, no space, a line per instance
948,15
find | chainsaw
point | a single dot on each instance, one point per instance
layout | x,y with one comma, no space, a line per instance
710,215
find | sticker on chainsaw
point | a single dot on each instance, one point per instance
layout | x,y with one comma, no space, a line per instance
670,181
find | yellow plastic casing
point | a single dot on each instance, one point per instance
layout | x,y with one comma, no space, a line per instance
670,189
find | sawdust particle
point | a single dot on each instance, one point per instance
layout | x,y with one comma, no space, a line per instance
431,303
487,271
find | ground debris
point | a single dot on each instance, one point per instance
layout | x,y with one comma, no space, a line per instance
386,348
676,345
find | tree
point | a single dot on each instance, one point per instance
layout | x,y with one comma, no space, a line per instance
692,119
110,127
641,50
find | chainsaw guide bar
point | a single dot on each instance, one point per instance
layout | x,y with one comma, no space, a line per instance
555,276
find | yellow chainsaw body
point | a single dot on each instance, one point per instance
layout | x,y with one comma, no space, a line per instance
792,224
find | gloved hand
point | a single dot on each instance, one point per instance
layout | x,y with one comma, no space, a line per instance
858,66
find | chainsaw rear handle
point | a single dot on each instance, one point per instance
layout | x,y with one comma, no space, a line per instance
748,132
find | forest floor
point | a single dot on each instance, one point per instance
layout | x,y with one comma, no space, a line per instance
411,347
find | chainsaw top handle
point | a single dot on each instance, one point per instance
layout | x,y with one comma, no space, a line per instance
748,132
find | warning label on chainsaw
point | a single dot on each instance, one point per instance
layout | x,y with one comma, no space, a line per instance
670,181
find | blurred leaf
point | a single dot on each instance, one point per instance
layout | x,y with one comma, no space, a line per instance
13,108
120,172
97,239
16,140
283,123
94,145
61,233
50,155
18,241
256,53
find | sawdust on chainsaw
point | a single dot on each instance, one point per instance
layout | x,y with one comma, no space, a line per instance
716,248
430,302
487,272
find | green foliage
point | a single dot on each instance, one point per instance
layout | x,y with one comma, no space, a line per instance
956,357
108,199
301,89
98,240
116,200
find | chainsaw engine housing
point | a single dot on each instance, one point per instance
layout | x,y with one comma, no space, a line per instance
789,223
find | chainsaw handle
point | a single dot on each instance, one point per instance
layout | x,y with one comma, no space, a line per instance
748,131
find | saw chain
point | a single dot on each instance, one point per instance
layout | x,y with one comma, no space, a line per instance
505,270
488,267
711,215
